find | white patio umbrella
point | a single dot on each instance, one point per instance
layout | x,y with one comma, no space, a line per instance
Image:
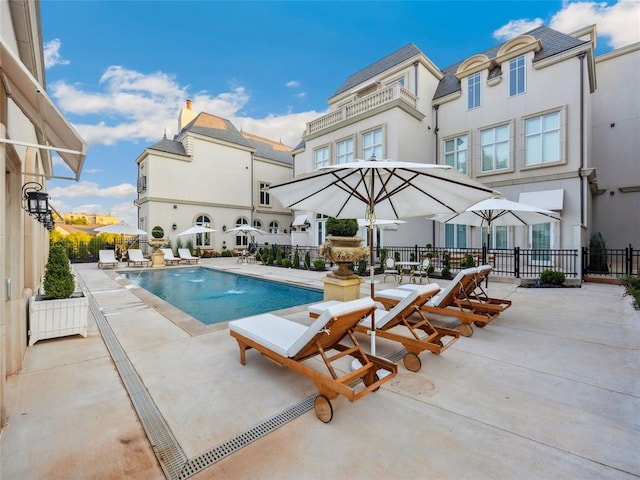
498,211
246,229
197,229
120,228
381,188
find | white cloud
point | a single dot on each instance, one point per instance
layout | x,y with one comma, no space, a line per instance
516,27
618,24
285,128
52,55
86,189
292,84
300,95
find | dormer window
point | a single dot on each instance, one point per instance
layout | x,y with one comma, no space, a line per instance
516,76
473,91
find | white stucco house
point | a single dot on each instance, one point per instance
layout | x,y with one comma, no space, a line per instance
533,118
31,127
213,175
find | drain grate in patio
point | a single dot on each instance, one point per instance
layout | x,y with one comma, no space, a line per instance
234,444
170,456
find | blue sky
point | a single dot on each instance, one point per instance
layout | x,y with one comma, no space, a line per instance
121,71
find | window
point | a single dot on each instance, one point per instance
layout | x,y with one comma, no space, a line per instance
541,237
455,236
321,228
494,144
499,236
257,224
516,76
542,139
274,227
473,91
241,238
322,157
344,151
265,197
372,144
455,153
203,239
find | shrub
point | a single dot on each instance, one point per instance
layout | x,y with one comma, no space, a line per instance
58,279
279,257
342,227
446,266
597,254
631,284
396,256
157,232
552,277
319,264
296,259
286,263
307,260
383,255
468,262
362,267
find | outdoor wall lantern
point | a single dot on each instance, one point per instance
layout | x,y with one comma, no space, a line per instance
34,200
174,226
224,228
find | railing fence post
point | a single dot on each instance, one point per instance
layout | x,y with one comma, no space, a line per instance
516,262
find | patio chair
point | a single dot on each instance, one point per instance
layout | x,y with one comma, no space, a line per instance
186,257
289,344
449,302
390,269
136,258
421,272
107,258
415,336
169,259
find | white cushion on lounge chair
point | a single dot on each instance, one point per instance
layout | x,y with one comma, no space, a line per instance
383,317
393,293
436,299
319,308
286,337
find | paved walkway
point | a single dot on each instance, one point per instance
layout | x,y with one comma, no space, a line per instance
551,389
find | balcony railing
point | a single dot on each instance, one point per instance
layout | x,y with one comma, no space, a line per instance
365,104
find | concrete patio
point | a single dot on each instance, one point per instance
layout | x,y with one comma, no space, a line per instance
550,389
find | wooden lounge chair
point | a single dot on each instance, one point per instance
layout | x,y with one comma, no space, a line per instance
449,302
479,300
415,335
186,257
136,258
289,344
169,259
107,258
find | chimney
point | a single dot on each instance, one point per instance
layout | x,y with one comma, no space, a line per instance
185,116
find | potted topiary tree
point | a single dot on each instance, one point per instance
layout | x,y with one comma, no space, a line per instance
157,257
342,247
61,309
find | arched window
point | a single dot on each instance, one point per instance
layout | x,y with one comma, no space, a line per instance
257,224
274,227
203,239
241,237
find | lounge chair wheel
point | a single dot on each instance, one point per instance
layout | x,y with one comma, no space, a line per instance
480,324
465,330
412,362
376,378
324,410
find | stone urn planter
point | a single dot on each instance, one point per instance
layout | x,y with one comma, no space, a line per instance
157,240
343,251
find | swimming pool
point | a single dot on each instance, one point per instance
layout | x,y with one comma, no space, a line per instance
212,296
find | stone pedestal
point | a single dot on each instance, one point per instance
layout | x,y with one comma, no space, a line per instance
157,259
341,289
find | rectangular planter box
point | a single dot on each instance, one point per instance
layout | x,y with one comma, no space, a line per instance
57,317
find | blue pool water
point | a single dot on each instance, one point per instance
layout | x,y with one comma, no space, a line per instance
212,296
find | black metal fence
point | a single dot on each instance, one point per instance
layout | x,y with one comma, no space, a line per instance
516,262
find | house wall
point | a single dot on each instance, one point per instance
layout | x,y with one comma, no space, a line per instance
616,143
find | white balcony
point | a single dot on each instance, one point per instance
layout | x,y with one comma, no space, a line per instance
385,96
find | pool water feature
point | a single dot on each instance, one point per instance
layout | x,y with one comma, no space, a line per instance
212,296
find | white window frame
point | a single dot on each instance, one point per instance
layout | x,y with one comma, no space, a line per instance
542,259
242,238
274,227
452,157
455,235
494,236
321,228
517,76
543,133
264,197
493,144
474,94
371,145
203,239
322,156
348,155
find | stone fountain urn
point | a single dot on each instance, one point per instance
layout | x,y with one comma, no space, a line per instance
343,251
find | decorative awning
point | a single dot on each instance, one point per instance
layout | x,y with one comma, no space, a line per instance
549,199
301,220
32,99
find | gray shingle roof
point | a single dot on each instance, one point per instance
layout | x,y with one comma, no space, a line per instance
215,127
553,43
269,149
169,146
390,61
